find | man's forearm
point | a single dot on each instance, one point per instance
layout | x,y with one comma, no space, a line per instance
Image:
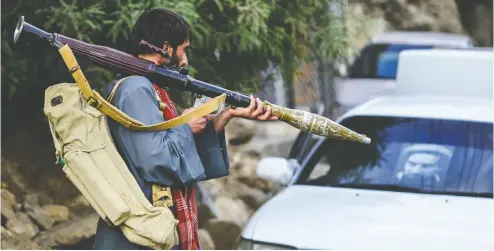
221,120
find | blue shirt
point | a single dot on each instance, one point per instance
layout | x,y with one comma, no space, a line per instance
173,157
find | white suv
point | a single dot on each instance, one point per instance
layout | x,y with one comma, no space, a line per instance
425,182
373,73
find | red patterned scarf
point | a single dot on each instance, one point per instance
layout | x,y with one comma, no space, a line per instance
183,201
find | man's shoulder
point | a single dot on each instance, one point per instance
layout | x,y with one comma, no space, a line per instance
129,85
132,83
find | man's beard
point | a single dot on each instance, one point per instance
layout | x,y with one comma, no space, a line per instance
172,61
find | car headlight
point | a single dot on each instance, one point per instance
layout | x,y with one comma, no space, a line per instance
244,244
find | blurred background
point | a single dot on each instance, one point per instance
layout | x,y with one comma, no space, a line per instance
312,55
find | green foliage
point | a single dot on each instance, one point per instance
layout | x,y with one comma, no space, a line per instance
233,40
73,20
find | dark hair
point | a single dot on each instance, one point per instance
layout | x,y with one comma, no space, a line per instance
156,26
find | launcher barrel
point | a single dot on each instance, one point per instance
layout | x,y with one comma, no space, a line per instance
179,79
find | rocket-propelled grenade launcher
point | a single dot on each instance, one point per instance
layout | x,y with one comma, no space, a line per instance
121,62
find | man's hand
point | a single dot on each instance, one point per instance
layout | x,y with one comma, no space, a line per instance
253,113
198,124
222,119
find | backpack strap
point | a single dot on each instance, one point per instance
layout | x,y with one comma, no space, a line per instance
162,196
162,105
96,100
110,97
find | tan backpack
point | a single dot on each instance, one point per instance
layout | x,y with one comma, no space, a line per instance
78,119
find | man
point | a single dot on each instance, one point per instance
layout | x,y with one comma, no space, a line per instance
423,168
177,157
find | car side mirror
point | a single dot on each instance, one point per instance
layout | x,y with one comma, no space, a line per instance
276,169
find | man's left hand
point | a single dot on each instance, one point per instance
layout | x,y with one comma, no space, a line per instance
250,112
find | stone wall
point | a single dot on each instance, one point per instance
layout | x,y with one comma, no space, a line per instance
34,216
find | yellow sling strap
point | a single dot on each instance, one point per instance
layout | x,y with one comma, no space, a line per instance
96,100
110,97
162,105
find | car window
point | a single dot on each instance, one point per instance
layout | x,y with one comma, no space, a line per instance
430,155
380,60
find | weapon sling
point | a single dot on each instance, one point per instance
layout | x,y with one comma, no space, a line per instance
96,100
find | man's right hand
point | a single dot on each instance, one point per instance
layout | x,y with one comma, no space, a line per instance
197,124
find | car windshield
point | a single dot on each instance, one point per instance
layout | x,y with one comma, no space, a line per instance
380,60
408,154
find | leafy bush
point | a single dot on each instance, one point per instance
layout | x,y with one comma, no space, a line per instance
233,40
